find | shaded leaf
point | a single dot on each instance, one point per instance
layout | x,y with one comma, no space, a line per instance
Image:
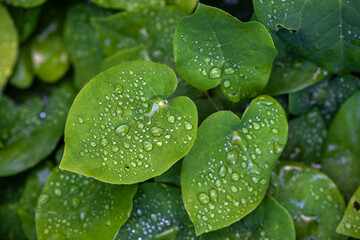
26,20
171,176
129,5
26,3
187,6
23,75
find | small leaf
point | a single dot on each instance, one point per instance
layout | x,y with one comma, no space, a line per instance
129,5
212,47
121,128
342,153
350,224
327,32
226,173
8,45
158,213
23,75
72,206
268,221
312,199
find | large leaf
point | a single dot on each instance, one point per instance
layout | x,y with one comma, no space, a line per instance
121,128
8,45
226,173
350,224
129,5
312,199
342,152
72,206
212,47
268,221
31,130
187,6
158,213
325,31
83,42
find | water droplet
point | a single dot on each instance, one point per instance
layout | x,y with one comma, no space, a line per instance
57,192
258,151
256,125
93,144
75,202
122,130
104,142
235,177
118,88
80,120
156,132
277,146
43,199
232,157
171,119
275,130
239,141
204,73
234,189
188,126
255,179
213,195
227,83
148,146
215,72
119,112
204,198
222,171
229,70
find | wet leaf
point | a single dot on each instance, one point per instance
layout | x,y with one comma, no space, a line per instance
26,3
171,176
26,20
23,75
211,48
121,128
268,221
350,224
312,199
158,213
342,154
226,173
30,130
9,43
33,186
72,206
129,5
83,42
307,134
187,6
327,32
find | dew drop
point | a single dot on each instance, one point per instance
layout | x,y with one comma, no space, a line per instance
239,141
222,171
43,199
235,177
229,70
156,132
80,120
118,88
227,83
215,72
232,157
148,146
234,189
275,130
188,126
57,192
122,130
171,119
93,144
204,198
104,142
75,202
256,125
258,151
213,195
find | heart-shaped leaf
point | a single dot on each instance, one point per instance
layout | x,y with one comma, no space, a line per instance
316,207
121,128
327,32
212,47
8,45
226,173
350,224
268,221
342,153
158,213
72,206
129,5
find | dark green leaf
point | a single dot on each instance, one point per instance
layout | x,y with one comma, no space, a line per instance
171,176
25,3
25,20
158,213
121,128
10,223
226,173
342,153
129,5
72,206
23,75
312,199
212,47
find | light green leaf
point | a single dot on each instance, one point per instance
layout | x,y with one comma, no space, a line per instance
342,153
158,213
129,5
325,31
83,42
121,128
187,6
350,224
226,174
268,221
212,47
23,75
72,206
312,199
9,43
31,130
26,3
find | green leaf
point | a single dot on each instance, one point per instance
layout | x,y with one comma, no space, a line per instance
350,224
187,6
26,3
8,45
342,154
48,52
225,175
121,128
26,20
306,138
268,221
72,206
158,213
325,31
23,75
327,95
171,176
212,47
129,5
31,130
83,42
33,186
312,199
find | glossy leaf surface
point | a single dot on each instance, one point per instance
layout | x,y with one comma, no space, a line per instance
268,221
72,206
225,175
158,213
212,47
316,207
121,128
325,31
342,153
129,5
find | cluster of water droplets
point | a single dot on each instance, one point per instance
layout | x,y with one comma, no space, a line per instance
130,127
